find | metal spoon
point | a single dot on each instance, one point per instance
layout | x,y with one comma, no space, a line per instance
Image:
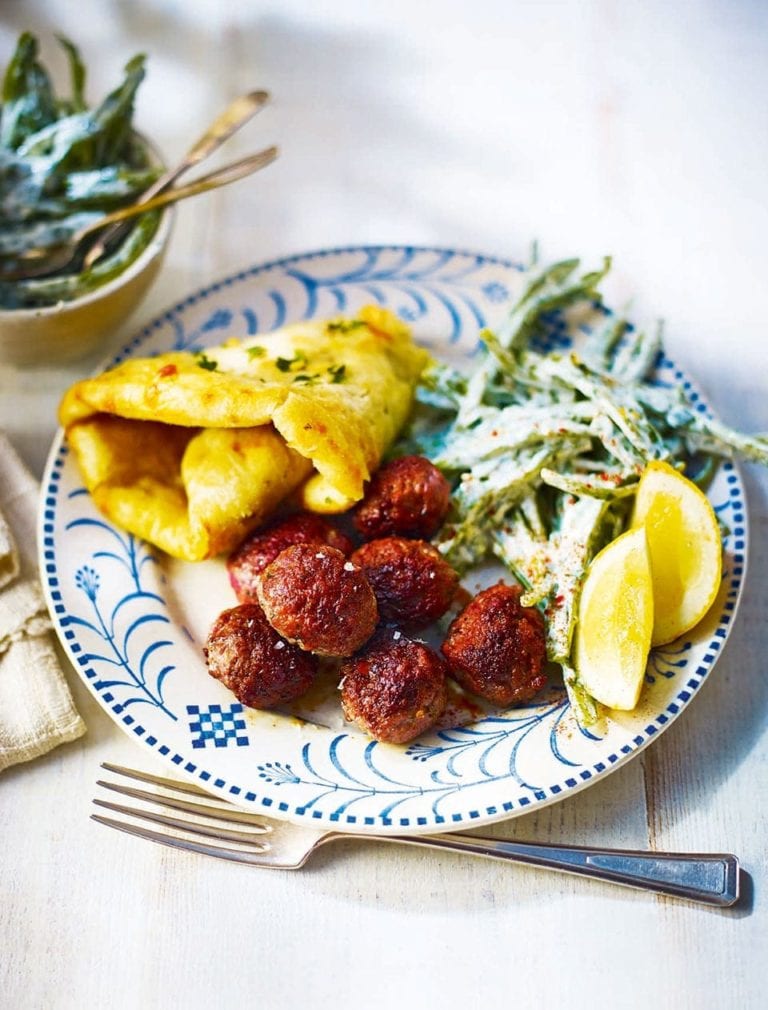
55,258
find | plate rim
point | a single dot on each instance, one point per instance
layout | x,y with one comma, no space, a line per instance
517,805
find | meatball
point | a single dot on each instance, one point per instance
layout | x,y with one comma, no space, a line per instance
412,583
313,596
248,656
495,647
408,497
260,549
394,689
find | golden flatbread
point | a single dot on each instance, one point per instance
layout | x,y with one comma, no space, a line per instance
191,451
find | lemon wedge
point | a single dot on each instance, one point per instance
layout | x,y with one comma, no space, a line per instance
613,634
685,548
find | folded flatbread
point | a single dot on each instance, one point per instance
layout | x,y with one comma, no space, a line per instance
192,451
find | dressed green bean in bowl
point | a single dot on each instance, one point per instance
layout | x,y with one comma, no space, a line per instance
64,165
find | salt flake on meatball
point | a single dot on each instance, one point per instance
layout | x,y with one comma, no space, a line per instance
317,599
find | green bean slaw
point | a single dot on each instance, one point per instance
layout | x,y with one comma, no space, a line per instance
545,448
64,165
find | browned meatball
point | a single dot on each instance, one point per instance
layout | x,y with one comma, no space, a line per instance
408,497
495,647
394,689
260,549
412,583
248,656
313,596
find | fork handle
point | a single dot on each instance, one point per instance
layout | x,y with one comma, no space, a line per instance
711,878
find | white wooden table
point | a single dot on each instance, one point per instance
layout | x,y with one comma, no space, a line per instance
635,129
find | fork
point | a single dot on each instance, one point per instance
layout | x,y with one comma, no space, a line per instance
709,878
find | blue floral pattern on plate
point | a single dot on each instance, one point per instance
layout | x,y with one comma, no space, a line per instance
133,622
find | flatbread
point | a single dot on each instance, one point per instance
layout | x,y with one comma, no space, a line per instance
191,451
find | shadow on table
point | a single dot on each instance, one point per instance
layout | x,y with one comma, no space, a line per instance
723,725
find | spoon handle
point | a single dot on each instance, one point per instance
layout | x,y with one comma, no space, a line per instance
219,177
222,128
231,119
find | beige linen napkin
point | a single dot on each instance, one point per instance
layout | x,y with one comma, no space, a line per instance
36,708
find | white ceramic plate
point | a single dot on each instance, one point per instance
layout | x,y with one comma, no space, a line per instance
133,623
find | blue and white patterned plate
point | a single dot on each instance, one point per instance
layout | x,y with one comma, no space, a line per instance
133,623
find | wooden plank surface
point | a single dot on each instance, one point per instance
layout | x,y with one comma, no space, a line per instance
596,126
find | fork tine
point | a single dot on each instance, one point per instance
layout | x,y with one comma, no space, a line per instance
193,827
176,784
264,842
231,816
204,849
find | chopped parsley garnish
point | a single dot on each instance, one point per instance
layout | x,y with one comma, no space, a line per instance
257,351
203,361
337,372
285,364
343,325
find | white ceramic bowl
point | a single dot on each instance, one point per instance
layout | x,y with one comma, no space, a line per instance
71,329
